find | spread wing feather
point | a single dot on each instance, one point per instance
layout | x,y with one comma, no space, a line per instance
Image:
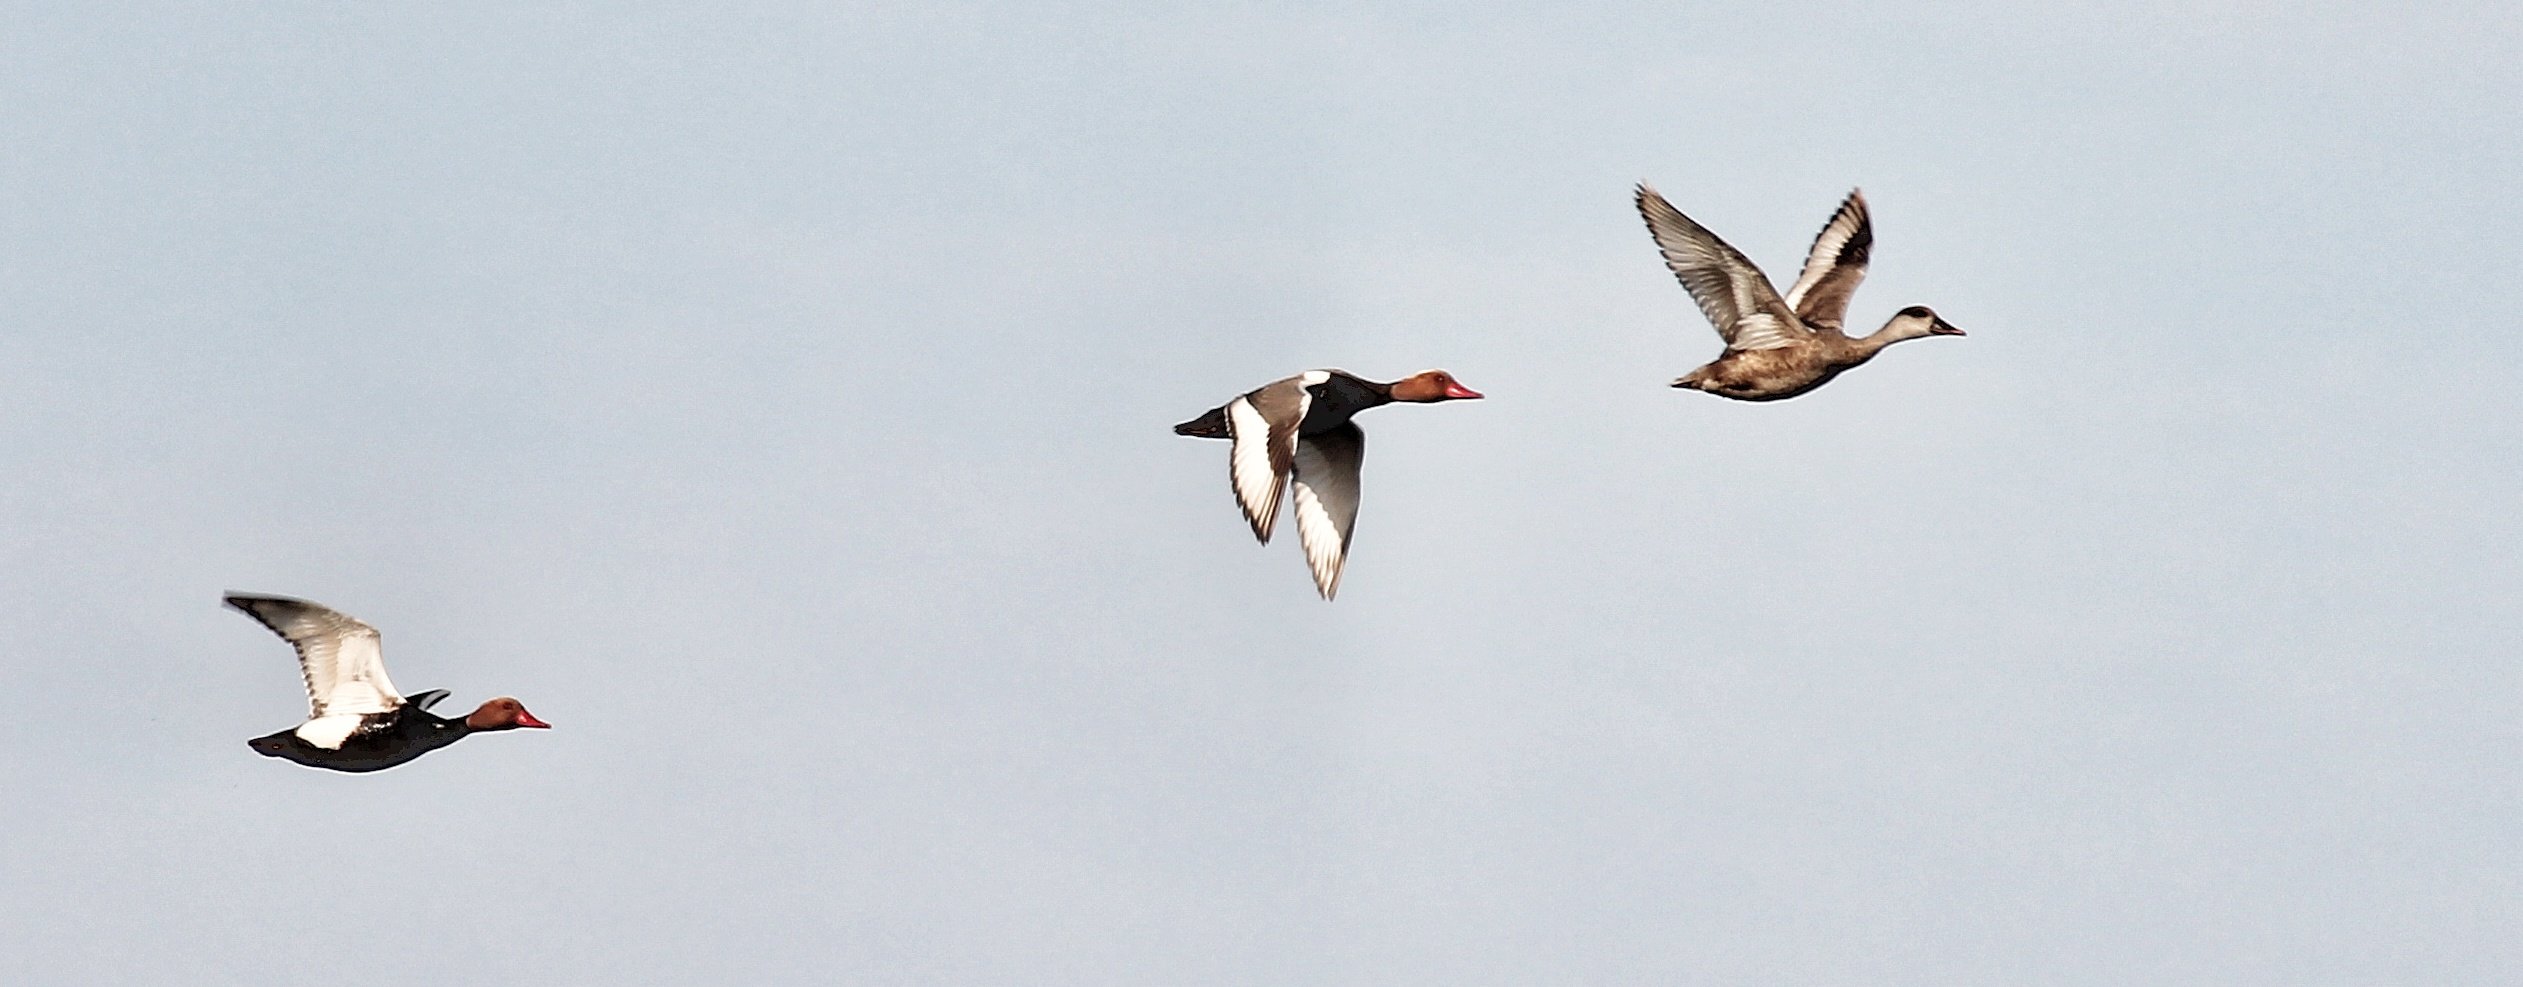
1836,264
1734,294
1326,506
341,659
1263,425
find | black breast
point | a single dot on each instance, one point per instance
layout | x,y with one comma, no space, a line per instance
1336,399
391,739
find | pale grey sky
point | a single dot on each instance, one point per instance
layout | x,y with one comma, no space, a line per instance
775,397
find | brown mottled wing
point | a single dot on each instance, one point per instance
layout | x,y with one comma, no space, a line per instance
1736,296
1835,265
1326,505
1264,427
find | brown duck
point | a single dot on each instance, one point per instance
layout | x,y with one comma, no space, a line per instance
1777,348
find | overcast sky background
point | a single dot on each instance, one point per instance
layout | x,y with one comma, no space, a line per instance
776,398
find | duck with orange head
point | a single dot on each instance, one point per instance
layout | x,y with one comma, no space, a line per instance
356,720
1295,434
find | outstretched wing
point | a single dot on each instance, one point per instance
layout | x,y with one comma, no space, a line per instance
341,659
1736,296
1835,265
1264,427
1327,500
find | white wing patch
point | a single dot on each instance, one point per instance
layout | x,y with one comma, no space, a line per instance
341,659
1760,331
359,682
1326,506
1257,480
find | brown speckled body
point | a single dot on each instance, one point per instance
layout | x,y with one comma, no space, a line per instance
1778,347
1779,374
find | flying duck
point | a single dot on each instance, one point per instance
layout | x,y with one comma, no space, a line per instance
1777,348
356,721
1296,432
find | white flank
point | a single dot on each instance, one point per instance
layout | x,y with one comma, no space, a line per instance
329,732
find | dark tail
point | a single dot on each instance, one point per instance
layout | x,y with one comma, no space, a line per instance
1208,426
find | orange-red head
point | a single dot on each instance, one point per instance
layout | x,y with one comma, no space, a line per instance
503,713
1430,387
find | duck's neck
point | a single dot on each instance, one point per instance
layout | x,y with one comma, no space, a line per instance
1344,395
1897,330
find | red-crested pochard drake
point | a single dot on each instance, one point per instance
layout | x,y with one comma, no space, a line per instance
1777,348
1296,432
356,721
